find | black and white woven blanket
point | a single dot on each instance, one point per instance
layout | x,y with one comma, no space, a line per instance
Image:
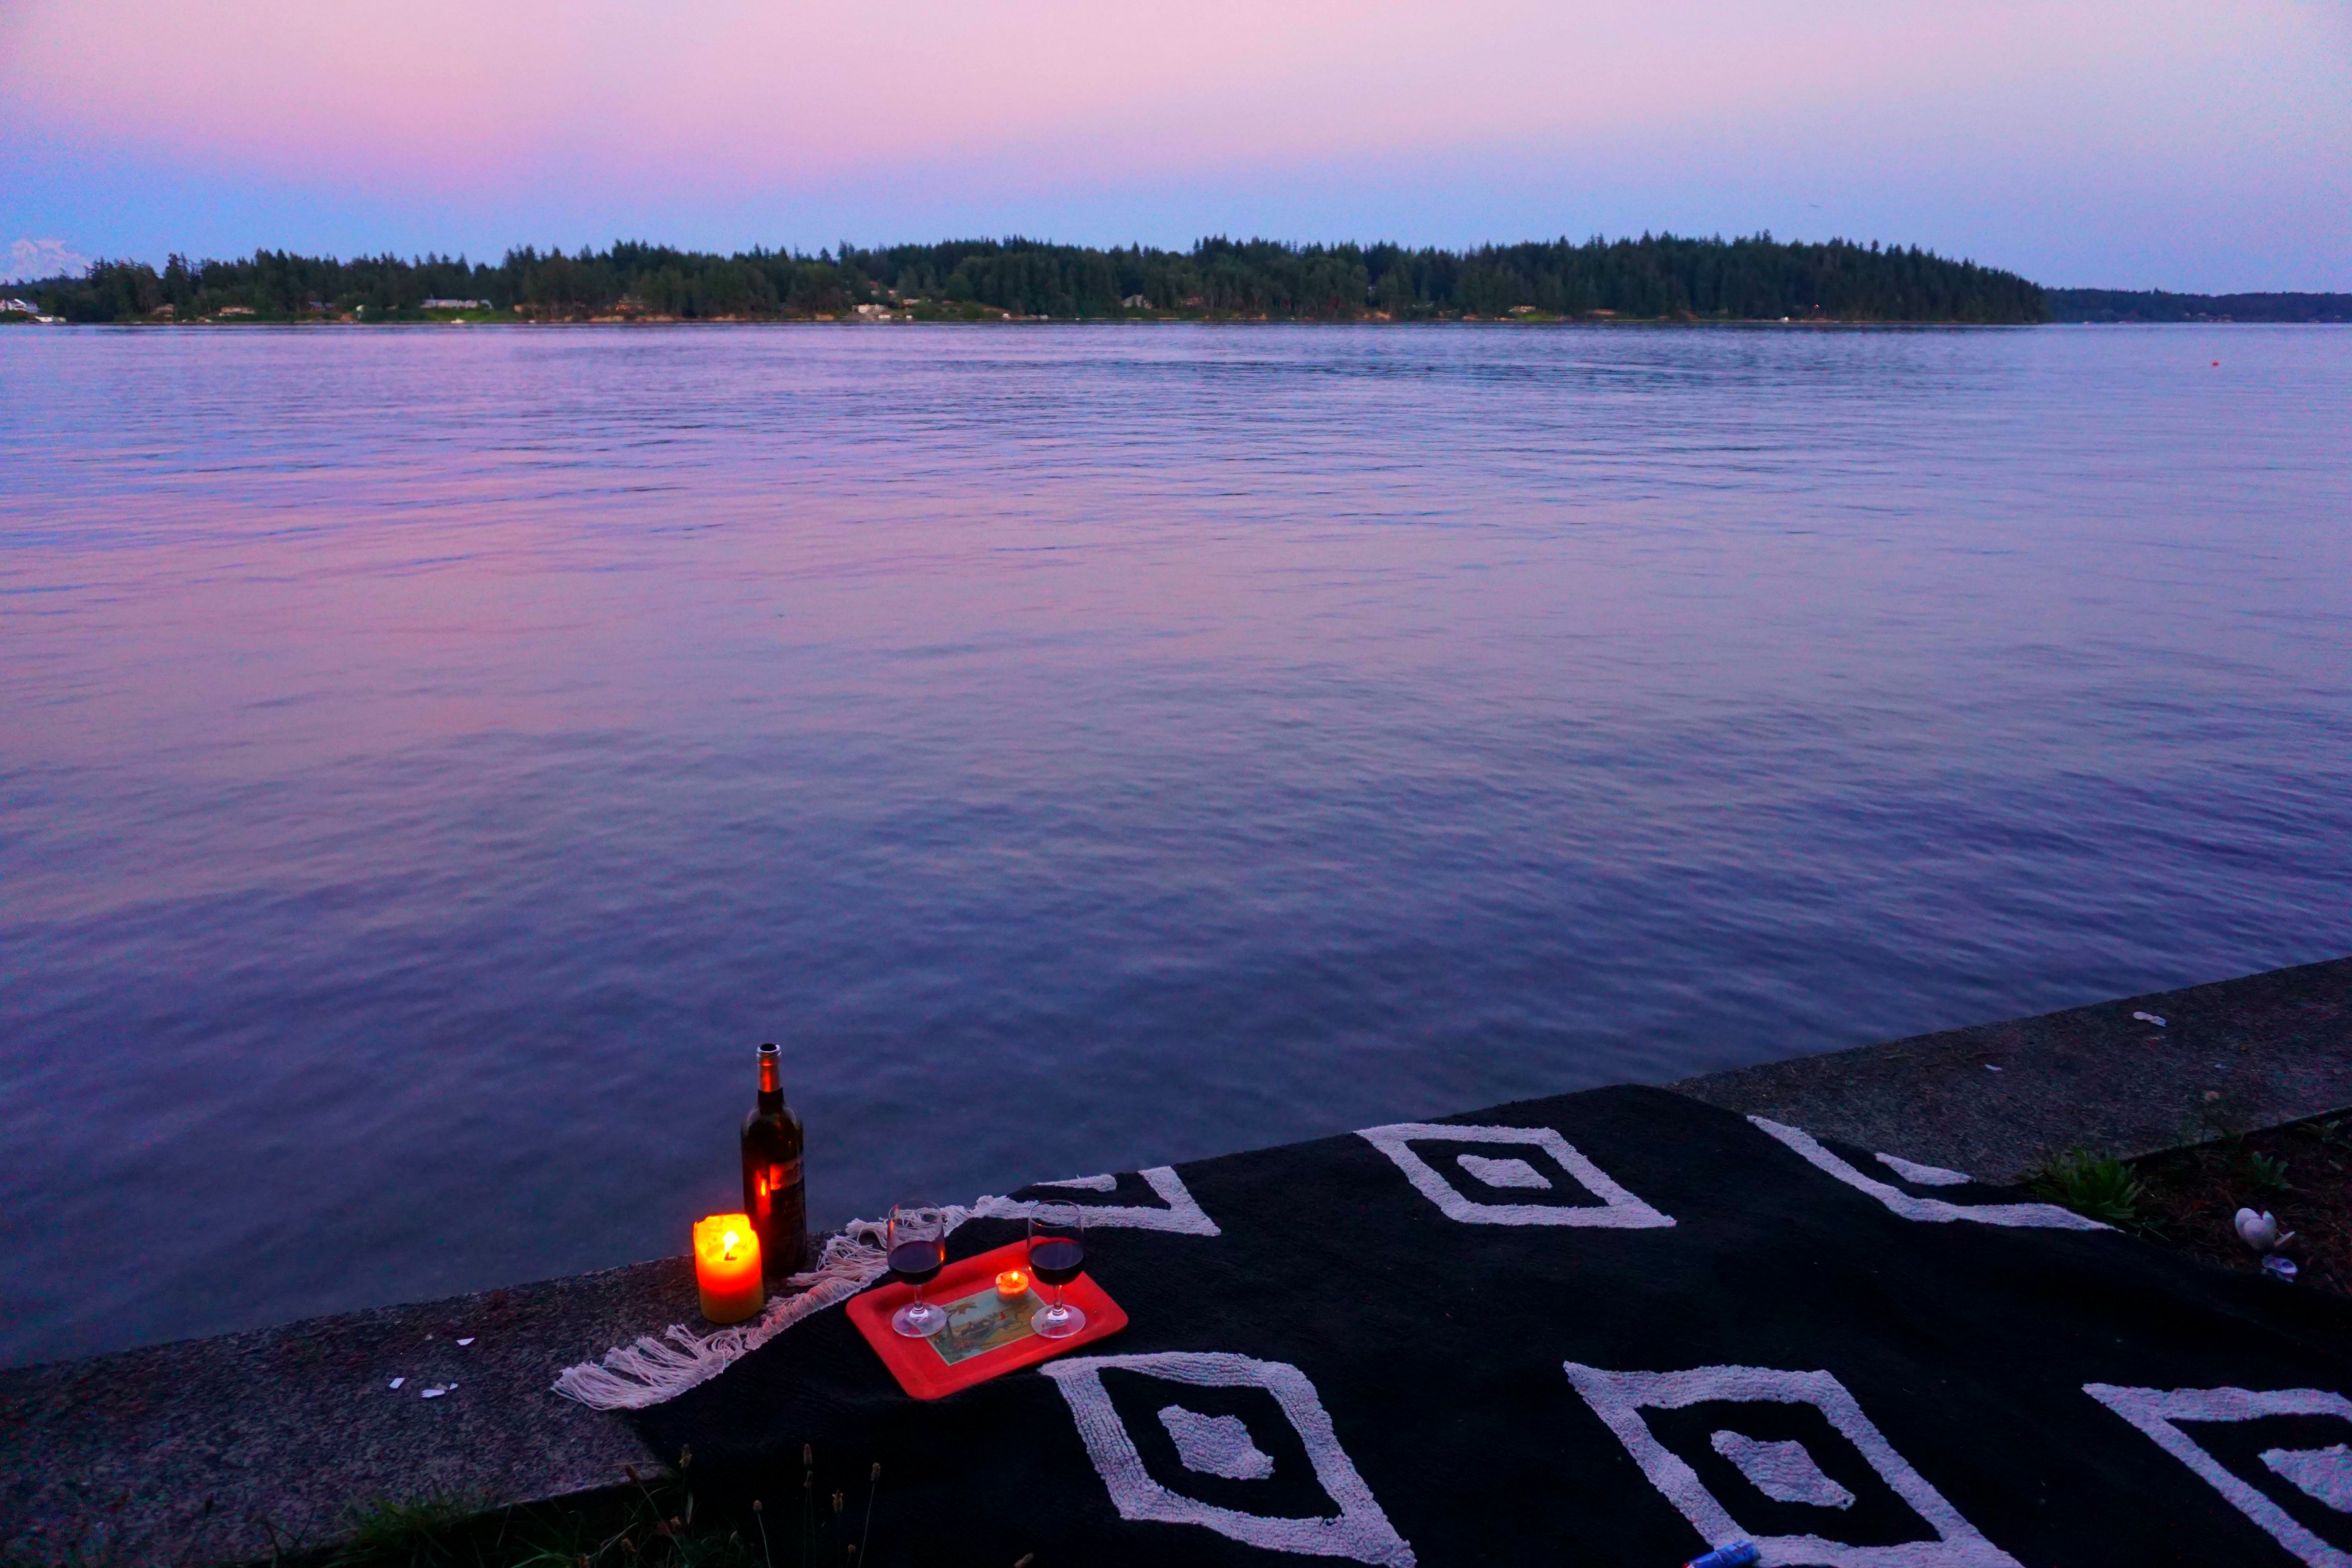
1614,1327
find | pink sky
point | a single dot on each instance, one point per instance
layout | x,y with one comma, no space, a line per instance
2142,143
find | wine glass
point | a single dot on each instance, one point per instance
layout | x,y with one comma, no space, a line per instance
1057,1253
919,1247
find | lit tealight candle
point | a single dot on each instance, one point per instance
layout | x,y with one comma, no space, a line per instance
727,1267
1013,1282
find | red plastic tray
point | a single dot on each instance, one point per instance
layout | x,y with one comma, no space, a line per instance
954,1357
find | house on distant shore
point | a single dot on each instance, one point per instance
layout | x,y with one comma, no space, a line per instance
457,304
1135,302
18,308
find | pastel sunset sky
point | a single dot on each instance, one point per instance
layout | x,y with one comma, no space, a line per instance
2118,143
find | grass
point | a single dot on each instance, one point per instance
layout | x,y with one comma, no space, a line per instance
2097,1185
809,1520
650,1524
809,1517
405,1532
2267,1172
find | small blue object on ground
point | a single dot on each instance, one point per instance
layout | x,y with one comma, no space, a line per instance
1739,1554
2279,1268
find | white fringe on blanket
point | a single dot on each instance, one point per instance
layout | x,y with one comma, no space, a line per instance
633,1376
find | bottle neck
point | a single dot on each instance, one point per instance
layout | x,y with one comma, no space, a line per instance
772,1087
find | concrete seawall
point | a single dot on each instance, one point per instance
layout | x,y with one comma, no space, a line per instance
226,1450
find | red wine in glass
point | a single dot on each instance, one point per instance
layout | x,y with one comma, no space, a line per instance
917,1248
1057,1262
918,1262
1058,1254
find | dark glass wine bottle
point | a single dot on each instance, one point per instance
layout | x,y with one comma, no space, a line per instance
772,1193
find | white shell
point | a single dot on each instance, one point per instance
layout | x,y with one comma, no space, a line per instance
2259,1231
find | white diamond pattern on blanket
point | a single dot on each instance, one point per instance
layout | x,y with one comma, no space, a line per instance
2160,1411
2323,1475
1359,1531
1920,1175
1620,1397
1502,1173
1782,1472
1215,1444
1934,1211
1616,1210
1182,1214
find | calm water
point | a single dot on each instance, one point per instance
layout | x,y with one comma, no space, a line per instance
432,760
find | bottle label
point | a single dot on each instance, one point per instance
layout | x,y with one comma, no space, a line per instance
782,1215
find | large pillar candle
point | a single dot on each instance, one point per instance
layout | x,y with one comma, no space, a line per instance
727,1267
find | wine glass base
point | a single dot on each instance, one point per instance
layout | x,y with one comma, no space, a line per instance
1056,1322
918,1319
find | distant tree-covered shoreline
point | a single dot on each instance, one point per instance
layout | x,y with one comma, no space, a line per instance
1655,277
2158,305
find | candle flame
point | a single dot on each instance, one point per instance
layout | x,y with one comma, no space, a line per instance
731,1241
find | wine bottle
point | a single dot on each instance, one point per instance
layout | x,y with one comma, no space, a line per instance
772,1193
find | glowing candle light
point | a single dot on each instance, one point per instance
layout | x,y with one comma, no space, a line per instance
727,1267
1013,1282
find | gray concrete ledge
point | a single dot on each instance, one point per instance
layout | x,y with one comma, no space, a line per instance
229,1450
2232,1057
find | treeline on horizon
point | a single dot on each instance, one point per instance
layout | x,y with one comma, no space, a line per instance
2158,305
1655,277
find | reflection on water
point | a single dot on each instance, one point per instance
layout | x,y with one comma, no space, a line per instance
433,759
